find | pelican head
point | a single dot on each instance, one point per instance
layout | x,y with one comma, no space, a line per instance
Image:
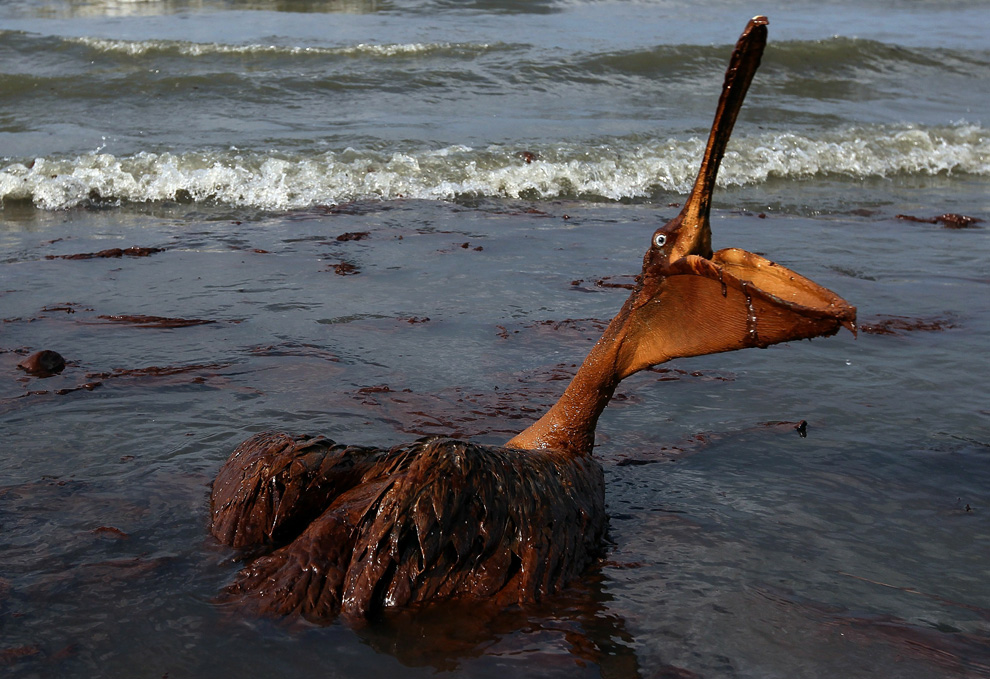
691,301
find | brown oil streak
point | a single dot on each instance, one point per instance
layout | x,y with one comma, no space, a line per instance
141,321
949,220
898,325
112,253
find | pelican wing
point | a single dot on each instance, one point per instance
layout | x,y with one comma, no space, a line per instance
274,484
478,521
438,519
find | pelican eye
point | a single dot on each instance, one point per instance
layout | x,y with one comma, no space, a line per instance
660,240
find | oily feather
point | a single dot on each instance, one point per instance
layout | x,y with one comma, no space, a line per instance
430,521
274,484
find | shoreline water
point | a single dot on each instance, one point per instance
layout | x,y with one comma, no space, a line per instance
738,547
700,456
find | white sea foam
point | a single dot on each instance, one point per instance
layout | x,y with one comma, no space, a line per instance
622,169
196,49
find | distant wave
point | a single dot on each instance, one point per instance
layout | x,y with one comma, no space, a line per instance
196,49
622,169
837,54
28,42
831,55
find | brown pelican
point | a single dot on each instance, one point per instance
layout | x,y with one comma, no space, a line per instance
353,530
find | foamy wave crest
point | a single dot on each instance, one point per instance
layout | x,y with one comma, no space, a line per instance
196,49
623,169
865,152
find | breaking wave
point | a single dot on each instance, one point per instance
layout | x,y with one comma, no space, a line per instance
622,169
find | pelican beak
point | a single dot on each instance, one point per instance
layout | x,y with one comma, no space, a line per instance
690,301
694,233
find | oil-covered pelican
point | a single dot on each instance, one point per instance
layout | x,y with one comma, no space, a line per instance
352,530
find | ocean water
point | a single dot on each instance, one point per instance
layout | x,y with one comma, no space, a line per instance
505,164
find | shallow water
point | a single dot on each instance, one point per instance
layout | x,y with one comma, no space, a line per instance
738,548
